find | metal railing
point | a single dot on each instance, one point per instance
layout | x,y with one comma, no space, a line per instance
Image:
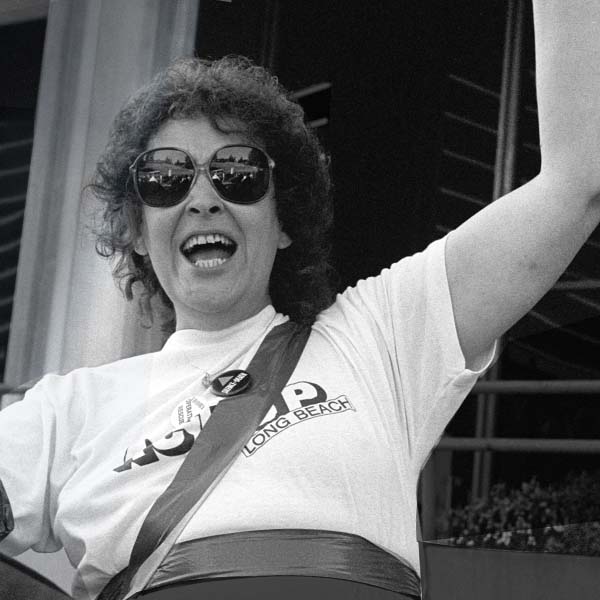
528,387
488,444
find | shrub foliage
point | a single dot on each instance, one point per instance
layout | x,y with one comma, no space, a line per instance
561,518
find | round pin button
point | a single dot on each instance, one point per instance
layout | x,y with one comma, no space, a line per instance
231,383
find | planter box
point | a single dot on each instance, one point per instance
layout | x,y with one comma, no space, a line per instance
459,573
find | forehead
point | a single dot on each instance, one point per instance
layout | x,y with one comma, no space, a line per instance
198,136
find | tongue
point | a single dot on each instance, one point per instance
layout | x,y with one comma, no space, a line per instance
208,252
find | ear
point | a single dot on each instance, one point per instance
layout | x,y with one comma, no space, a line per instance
140,246
284,241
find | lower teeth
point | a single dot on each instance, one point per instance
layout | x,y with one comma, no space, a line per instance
210,262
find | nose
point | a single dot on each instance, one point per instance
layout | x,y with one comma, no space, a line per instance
203,198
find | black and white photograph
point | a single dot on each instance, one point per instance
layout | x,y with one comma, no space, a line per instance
299,300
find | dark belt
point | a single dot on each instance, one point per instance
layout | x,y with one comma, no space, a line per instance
257,561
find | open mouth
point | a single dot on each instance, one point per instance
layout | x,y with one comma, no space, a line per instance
207,251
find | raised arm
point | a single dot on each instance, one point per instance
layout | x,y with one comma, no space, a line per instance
507,256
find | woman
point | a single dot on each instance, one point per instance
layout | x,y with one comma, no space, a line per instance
217,202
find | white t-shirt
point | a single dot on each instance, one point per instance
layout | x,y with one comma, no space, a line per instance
84,456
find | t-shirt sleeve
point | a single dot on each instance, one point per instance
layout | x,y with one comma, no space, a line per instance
408,313
28,450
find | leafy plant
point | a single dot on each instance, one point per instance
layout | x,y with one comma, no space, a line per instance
542,518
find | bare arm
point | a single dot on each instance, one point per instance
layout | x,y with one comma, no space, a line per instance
506,257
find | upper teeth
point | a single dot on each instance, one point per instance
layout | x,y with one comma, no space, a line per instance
211,238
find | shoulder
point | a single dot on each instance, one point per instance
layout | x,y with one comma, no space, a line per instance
406,285
82,388
115,370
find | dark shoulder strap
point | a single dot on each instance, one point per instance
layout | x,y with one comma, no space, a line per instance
231,424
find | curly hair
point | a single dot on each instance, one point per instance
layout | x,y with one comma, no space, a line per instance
302,279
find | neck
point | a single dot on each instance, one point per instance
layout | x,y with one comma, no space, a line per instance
218,321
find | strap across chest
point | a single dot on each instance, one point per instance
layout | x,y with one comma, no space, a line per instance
232,423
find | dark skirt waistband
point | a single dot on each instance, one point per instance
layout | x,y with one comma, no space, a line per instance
288,554
278,587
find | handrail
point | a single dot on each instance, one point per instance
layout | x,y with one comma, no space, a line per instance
557,445
526,386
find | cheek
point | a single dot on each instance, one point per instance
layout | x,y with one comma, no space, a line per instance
155,228
271,238
259,225
272,219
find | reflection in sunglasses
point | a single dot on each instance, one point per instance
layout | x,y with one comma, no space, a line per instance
164,176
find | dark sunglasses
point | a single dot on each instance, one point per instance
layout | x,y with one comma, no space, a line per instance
238,173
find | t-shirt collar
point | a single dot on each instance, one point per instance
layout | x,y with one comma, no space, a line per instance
196,339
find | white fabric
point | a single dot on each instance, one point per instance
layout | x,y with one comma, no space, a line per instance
380,377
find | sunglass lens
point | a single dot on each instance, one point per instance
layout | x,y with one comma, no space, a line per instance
240,173
164,176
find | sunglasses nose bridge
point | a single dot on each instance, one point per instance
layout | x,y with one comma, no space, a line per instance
203,195
203,170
